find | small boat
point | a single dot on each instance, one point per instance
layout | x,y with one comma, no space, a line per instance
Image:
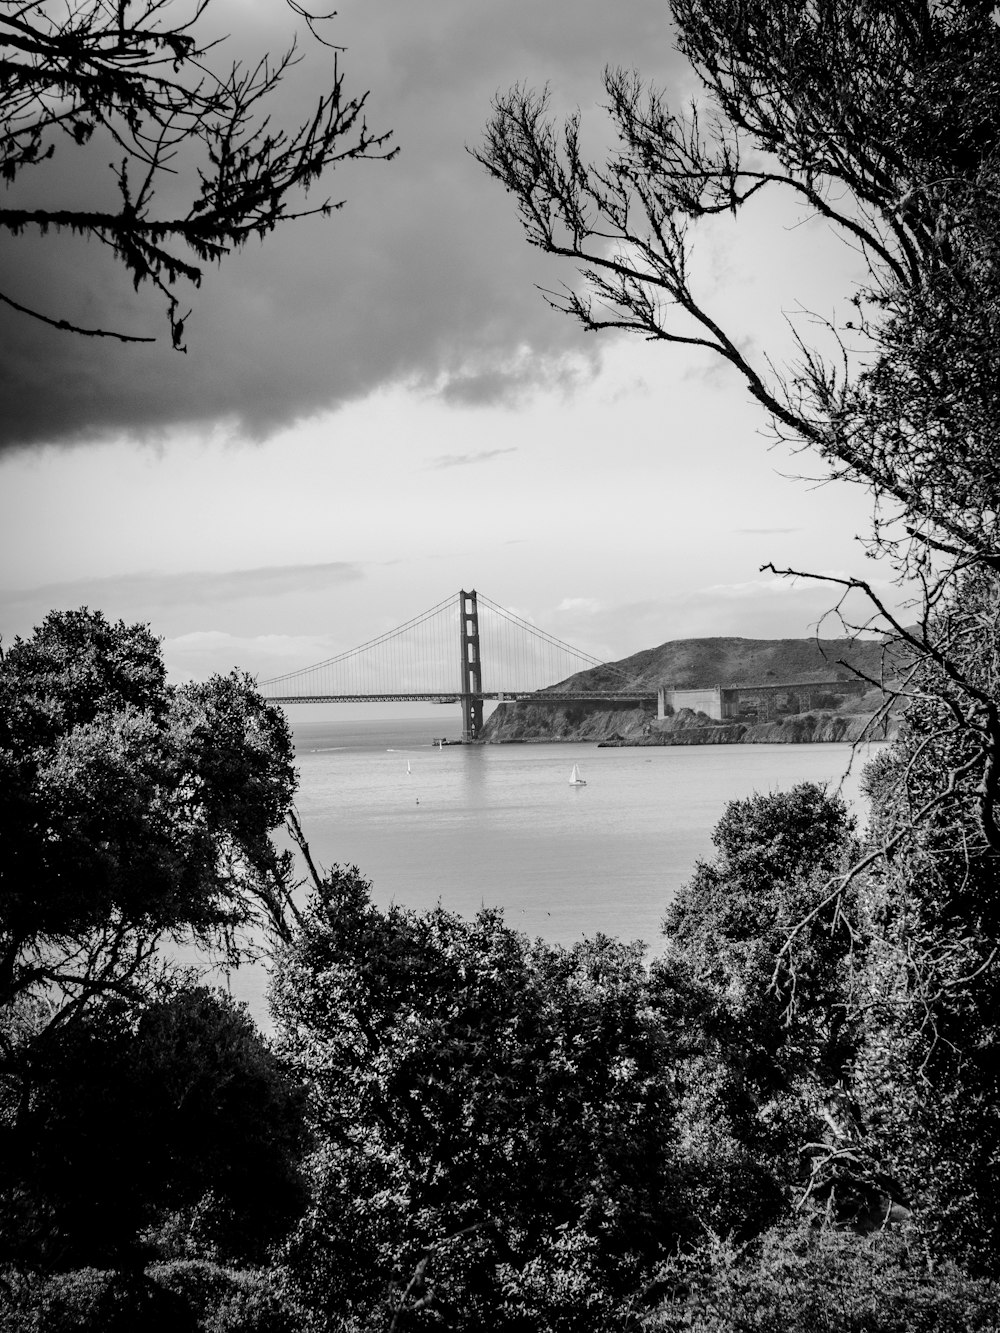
408,768
574,778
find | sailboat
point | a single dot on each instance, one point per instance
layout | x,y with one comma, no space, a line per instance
574,778
408,768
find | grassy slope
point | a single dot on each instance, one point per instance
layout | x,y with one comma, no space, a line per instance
698,662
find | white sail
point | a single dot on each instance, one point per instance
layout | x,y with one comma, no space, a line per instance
574,778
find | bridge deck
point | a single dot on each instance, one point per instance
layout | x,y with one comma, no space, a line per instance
499,696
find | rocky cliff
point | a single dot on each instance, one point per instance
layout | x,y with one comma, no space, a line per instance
524,723
796,729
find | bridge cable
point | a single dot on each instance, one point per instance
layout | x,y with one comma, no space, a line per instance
364,647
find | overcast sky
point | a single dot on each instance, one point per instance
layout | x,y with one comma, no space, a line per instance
378,408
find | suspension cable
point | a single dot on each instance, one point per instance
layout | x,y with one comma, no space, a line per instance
406,658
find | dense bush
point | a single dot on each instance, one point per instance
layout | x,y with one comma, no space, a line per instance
91,1300
508,1117
757,927
926,1080
133,1119
808,1280
179,1297
133,815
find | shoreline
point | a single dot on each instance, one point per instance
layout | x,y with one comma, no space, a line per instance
533,724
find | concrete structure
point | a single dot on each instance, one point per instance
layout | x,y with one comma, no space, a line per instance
762,702
472,667
707,700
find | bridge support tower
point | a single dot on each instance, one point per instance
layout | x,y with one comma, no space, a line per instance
472,669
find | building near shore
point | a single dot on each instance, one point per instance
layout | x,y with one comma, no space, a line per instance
763,702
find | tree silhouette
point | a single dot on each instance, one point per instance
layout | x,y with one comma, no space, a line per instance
198,167
882,119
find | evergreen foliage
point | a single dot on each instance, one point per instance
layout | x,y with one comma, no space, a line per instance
133,811
136,816
491,1115
798,1280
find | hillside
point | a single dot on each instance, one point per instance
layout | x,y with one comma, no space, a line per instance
701,662
695,662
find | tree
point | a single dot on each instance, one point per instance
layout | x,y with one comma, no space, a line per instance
784,1022
925,1077
775,856
134,80
134,813
882,119
497,1122
161,1128
134,816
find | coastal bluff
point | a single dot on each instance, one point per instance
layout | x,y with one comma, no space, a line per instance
725,662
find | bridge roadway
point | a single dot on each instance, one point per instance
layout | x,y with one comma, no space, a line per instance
500,696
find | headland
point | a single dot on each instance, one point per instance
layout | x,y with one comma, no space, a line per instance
743,691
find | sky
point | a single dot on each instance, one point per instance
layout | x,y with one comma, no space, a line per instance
379,408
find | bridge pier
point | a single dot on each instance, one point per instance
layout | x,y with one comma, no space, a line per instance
472,669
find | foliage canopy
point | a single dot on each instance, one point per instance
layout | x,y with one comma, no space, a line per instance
135,816
501,1129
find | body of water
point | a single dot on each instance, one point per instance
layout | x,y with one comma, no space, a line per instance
502,825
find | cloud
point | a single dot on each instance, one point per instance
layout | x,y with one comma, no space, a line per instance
162,597
198,655
195,585
464,460
521,374
422,278
579,605
766,532
754,609
753,588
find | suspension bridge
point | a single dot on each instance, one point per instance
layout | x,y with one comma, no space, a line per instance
466,649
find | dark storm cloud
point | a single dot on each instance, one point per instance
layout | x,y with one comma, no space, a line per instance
422,278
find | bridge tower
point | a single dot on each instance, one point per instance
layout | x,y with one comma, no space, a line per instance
472,669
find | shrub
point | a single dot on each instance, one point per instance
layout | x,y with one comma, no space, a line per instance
804,1280
178,1297
91,1300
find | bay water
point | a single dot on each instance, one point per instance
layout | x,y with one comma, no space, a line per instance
501,825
